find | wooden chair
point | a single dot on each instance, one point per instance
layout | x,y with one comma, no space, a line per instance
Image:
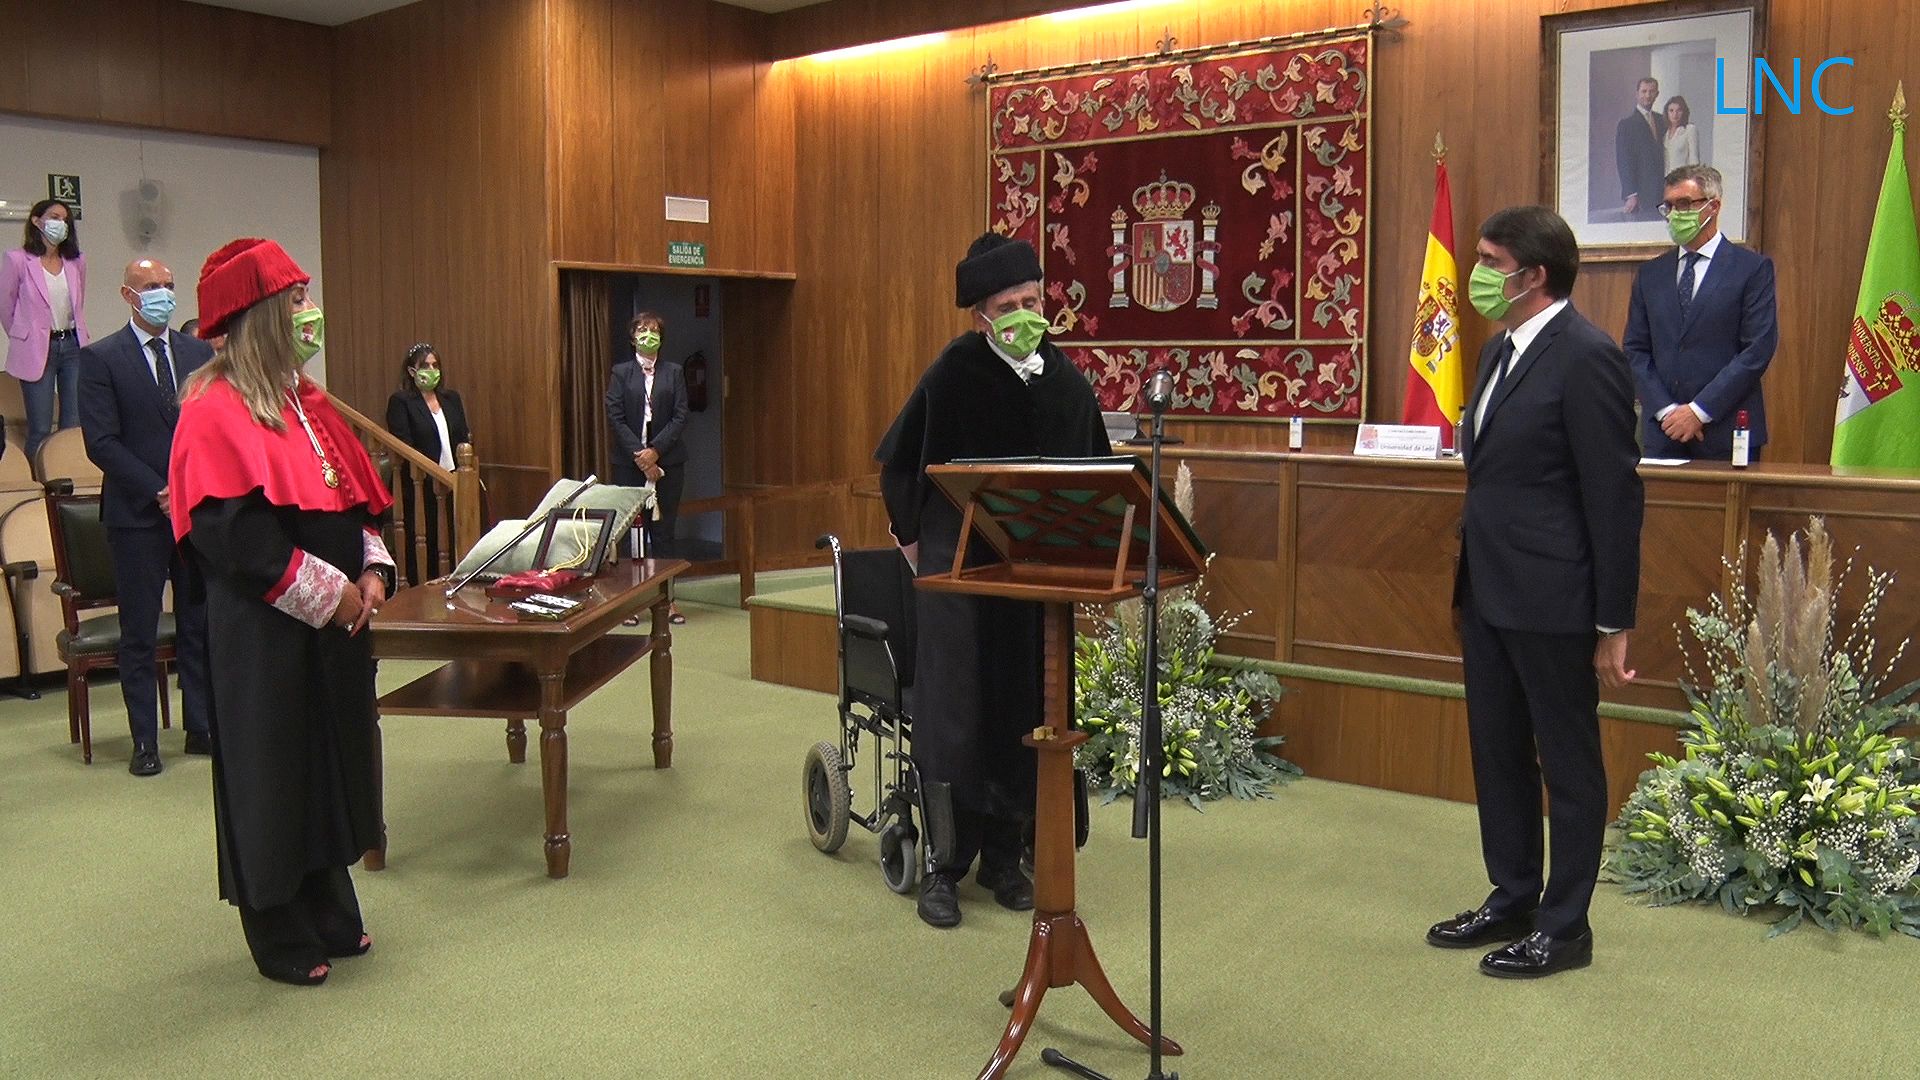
64,456
13,410
84,581
15,470
26,550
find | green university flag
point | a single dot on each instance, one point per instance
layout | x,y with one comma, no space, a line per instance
1878,422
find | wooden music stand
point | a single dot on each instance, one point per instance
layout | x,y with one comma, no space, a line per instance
1069,531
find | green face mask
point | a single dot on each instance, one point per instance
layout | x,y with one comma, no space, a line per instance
1684,225
1487,289
426,378
647,341
309,333
1018,333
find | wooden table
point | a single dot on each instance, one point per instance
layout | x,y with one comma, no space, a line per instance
508,667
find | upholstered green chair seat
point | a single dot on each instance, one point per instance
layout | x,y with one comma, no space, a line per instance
100,636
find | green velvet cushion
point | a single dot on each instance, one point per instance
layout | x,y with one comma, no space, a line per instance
100,636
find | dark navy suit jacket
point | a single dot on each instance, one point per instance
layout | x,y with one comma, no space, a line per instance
128,422
1714,356
627,393
1550,537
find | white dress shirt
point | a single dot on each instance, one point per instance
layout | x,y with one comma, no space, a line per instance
1700,266
446,440
1521,336
646,412
59,298
146,353
1027,369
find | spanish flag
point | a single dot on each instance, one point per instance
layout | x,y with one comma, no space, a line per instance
1436,389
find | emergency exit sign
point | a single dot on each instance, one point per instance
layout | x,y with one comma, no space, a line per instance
686,253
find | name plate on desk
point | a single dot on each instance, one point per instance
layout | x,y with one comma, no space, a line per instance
1397,441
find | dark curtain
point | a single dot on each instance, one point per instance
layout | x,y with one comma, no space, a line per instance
586,359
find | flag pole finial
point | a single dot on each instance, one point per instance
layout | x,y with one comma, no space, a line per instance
1898,114
1439,148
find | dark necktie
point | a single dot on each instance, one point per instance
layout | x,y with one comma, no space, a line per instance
1686,282
163,373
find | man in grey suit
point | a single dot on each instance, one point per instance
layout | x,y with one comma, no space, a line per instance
1639,152
129,402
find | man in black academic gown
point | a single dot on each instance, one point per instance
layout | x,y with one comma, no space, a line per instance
1545,592
998,390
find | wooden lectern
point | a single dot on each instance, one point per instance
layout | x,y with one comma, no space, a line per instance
1068,531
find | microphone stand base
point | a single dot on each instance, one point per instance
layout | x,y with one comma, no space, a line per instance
1066,1064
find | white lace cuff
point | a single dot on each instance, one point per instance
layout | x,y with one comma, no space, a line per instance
309,590
374,550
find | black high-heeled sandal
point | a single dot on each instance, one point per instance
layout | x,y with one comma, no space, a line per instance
335,952
284,945
293,976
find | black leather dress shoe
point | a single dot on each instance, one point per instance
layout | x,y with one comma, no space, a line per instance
1538,955
146,761
199,743
939,902
1011,889
1482,926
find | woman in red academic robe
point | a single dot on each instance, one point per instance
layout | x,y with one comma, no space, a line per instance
277,502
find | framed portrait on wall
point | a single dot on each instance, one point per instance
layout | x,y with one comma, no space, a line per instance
1629,94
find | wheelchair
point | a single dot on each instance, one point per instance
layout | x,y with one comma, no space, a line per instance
873,610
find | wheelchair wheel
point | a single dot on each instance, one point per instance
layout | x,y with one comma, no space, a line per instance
900,856
826,798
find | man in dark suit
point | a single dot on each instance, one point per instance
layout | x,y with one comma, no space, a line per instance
129,402
1545,591
1639,152
1702,326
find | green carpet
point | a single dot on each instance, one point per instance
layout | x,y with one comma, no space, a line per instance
725,590
701,936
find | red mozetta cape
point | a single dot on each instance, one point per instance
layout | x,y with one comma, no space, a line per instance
221,452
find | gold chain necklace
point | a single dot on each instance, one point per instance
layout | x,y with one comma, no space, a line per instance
327,472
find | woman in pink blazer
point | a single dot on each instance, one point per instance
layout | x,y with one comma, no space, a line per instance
43,300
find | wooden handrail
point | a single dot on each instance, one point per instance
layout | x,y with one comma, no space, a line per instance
741,505
393,444
462,485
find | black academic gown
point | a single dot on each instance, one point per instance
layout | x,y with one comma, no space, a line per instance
978,681
294,726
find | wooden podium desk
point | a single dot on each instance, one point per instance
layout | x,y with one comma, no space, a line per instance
1345,568
508,667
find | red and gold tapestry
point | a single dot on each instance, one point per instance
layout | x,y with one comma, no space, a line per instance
1206,214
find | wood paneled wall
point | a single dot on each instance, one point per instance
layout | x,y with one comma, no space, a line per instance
1347,563
839,23
434,216
167,64
890,188
481,146
668,98
1414,742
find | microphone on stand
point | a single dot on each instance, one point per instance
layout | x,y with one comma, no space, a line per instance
1158,394
1160,390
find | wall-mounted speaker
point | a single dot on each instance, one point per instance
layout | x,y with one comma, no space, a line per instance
143,210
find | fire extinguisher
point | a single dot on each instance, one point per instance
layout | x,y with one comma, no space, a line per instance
696,371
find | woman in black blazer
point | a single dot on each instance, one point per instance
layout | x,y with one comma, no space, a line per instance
646,415
428,417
